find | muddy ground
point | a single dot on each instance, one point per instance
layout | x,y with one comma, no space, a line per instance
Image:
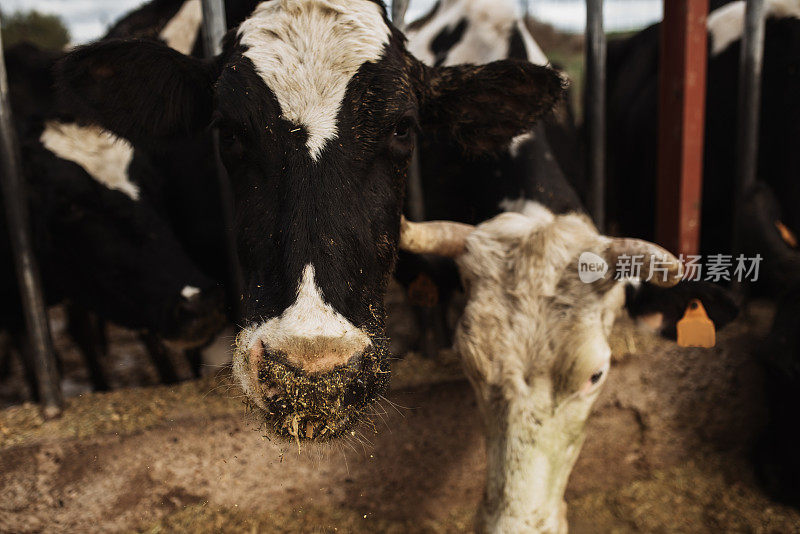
666,451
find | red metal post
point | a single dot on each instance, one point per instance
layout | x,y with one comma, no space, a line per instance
681,124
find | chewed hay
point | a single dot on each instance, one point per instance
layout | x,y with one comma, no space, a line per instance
315,407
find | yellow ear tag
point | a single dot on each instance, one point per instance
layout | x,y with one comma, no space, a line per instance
788,236
695,329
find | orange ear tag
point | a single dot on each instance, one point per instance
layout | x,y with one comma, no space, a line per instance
788,236
423,292
695,329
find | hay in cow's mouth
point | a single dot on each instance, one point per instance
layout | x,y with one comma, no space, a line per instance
325,406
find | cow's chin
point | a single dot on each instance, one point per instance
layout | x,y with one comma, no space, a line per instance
314,407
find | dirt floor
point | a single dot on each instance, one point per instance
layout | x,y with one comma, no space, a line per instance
666,451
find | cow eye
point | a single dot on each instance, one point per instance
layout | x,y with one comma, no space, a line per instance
593,382
404,129
230,144
401,141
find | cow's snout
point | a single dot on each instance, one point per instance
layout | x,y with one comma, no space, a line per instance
310,335
313,354
196,316
310,370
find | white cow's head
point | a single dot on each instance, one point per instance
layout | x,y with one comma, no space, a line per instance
534,343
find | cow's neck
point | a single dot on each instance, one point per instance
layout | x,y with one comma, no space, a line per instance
526,472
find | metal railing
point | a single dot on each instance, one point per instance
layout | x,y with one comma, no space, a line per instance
39,344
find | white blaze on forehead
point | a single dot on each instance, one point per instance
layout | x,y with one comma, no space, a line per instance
307,51
189,291
726,24
181,31
103,155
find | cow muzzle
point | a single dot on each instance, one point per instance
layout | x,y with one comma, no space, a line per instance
310,370
314,388
196,317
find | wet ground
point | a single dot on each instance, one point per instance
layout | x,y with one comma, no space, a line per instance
666,451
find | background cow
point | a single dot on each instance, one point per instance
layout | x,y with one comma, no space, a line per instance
469,188
533,341
632,107
316,102
472,189
99,241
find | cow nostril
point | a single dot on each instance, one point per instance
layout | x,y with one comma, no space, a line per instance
312,356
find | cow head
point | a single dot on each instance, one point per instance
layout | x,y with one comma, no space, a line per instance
317,103
113,253
534,343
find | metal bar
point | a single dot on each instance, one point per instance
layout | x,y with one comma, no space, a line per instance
399,8
214,26
28,277
750,67
682,100
595,109
415,195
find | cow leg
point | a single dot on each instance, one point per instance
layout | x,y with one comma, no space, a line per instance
429,283
20,342
88,333
5,355
434,332
159,355
427,343
195,359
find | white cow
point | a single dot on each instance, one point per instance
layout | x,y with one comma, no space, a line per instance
533,341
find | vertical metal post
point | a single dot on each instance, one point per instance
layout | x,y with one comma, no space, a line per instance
682,102
28,277
415,197
399,8
595,109
750,67
214,27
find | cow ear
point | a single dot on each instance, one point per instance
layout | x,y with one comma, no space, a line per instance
138,89
483,107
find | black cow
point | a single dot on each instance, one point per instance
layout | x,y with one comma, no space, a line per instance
186,186
473,189
316,102
100,243
633,104
633,116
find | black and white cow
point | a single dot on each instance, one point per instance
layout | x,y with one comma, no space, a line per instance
100,243
185,184
633,101
316,101
633,116
471,190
